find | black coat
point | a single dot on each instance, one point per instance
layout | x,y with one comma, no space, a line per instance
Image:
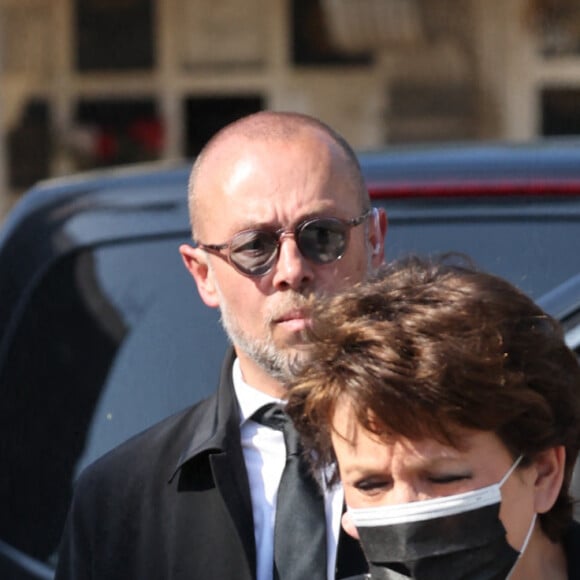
172,503
572,549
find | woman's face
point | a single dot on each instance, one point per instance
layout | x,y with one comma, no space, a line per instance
375,472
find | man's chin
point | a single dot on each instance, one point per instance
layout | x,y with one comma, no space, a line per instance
296,357
283,363
297,339
278,355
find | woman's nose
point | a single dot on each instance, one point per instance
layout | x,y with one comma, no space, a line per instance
403,493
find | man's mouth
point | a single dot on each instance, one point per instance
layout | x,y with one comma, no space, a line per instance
294,320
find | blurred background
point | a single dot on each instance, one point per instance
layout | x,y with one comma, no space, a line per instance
86,84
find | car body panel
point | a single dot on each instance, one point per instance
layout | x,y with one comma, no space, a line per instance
102,332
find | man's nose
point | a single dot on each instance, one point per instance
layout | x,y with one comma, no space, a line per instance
292,269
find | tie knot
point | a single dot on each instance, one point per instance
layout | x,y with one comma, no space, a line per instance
273,416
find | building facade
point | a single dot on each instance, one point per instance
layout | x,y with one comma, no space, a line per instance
92,83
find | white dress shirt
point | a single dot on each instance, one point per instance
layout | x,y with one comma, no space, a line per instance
265,456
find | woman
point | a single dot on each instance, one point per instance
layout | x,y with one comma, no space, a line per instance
451,406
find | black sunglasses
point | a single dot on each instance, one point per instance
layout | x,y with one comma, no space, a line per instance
321,240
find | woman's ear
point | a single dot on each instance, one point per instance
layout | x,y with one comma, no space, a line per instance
196,263
549,466
348,526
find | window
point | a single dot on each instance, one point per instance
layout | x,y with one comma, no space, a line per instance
112,340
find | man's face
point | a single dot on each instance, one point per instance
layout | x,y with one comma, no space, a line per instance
276,184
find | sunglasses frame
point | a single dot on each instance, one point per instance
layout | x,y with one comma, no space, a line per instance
218,249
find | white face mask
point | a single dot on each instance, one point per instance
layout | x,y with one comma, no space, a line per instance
459,538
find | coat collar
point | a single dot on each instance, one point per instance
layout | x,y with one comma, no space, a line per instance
213,431
217,428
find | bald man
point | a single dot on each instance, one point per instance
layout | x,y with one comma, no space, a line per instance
279,212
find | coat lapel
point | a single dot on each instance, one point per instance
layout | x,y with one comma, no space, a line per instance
229,468
217,436
232,482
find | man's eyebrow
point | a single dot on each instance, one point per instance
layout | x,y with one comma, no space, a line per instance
276,225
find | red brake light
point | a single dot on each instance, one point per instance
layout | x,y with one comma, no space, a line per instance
474,188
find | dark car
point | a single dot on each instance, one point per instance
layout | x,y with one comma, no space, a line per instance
102,332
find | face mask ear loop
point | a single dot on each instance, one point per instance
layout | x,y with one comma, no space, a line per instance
510,470
524,545
533,522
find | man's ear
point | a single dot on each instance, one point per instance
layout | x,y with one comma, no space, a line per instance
196,263
377,233
348,526
549,465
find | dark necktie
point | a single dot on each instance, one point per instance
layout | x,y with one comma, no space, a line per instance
300,527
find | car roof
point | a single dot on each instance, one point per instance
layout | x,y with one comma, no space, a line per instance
546,166
150,200
549,166
141,341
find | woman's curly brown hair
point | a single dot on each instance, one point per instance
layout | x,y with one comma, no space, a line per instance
430,345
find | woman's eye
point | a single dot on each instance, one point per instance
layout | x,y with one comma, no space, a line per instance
448,478
369,485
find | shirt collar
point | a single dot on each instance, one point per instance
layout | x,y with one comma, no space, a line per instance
249,398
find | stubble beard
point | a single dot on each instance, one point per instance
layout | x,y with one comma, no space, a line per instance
277,361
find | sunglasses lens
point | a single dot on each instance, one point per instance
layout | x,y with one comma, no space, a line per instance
254,251
323,240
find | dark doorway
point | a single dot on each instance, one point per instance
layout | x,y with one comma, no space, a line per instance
311,42
122,131
204,116
561,112
29,146
114,35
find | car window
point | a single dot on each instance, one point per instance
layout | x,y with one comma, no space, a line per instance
573,335
114,337
171,353
532,245
112,340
